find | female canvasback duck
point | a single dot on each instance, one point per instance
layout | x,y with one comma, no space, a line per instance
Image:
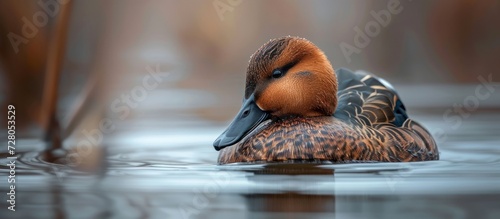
298,109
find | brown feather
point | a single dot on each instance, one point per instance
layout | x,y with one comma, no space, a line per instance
302,103
319,139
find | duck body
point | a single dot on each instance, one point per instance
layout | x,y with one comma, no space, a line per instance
318,114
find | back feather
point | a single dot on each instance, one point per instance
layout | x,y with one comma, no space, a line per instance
368,100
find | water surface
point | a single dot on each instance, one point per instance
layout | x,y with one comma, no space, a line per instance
172,173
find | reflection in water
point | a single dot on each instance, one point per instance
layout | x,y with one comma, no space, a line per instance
291,203
141,183
170,174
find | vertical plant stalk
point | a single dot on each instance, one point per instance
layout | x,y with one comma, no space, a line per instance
54,63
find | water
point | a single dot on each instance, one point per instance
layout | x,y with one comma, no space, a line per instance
171,173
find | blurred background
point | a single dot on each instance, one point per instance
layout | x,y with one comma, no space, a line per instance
158,80
431,50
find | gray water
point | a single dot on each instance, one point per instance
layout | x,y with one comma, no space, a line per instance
172,173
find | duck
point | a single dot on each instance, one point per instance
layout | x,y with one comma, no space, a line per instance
298,109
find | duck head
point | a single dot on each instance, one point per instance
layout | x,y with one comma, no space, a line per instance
286,77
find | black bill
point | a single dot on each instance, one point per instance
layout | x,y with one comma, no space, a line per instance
249,117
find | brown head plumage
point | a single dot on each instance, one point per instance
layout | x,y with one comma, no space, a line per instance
291,76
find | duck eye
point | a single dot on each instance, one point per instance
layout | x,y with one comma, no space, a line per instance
277,73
